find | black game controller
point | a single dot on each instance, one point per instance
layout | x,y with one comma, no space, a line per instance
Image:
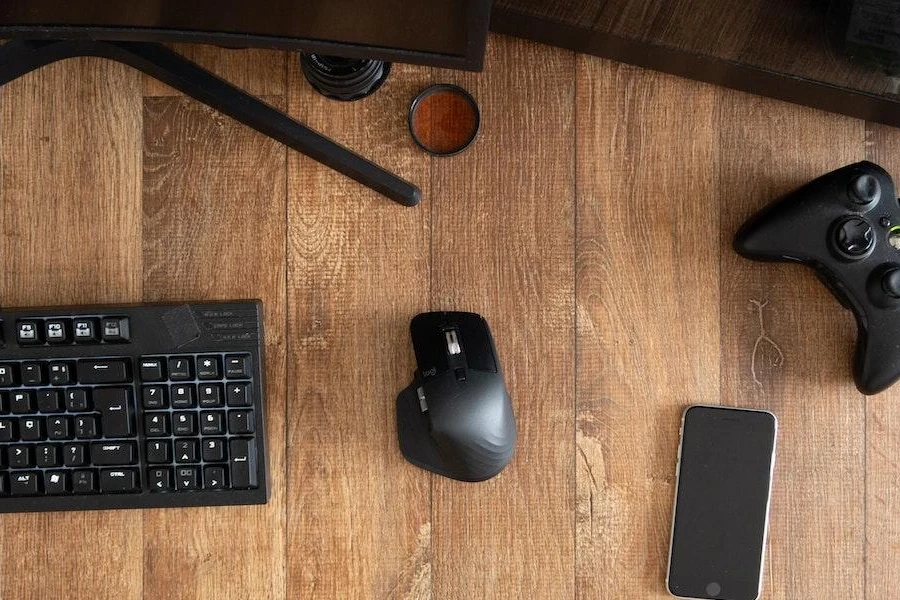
846,226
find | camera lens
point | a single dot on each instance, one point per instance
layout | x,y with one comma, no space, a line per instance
344,78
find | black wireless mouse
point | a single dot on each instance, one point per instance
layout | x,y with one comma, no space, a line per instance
456,419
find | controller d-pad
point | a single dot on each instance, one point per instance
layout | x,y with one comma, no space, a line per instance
865,189
854,237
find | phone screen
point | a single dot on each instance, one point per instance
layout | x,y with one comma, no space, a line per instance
722,503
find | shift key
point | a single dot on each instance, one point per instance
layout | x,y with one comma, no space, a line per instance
107,370
114,405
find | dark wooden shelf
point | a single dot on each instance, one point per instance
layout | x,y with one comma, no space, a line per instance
802,51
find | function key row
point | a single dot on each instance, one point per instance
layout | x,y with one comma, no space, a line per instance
187,368
78,330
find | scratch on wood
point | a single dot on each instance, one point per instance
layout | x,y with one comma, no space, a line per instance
587,464
763,337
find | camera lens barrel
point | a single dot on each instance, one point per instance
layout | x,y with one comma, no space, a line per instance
344,79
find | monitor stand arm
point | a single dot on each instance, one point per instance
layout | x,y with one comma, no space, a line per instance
19,57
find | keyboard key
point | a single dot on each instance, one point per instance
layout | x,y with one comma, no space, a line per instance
159,452
7,430
184,423
20,457
213,450
57,331
60,373
115,330
214,478
109,454
25,484
211,396
28,333
77,400
56,482
47,455
182,396
240,421
86,427
84,481
4,485
186,451
106,370
49,401
118,480
152,369
208,367
32,374
114,405
8,375
21,403
239,394
31,429
181,368
237,366
154,396
187,479
159,480
243,462
86,331
74,455
212,422
59,428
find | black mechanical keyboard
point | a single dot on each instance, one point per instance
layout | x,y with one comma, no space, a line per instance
132,407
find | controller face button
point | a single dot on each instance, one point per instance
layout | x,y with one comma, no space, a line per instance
854,238
890,283
865,189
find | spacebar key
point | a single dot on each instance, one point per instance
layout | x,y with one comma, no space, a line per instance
108,370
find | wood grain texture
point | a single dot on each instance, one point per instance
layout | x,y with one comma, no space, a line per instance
590,223
648,312
358,514
817,523
503,247
883,432
214,207
70,231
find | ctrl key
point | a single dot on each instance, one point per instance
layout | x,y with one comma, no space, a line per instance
119,480
24,483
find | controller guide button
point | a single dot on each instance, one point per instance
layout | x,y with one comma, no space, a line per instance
854,238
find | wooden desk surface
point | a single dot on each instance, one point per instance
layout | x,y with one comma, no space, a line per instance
590,224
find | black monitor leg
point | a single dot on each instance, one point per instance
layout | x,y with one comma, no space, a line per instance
22,56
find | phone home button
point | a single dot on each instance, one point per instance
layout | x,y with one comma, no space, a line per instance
713,589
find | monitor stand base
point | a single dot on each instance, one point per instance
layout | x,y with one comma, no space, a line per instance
19,57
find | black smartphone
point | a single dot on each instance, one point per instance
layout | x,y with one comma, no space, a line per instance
724,481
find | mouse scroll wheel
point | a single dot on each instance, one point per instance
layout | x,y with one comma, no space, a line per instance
452,343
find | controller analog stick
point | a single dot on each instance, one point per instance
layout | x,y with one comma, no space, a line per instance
854,237
890,283
865,189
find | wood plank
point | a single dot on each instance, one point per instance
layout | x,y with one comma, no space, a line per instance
260,72
648,311
883,432
503,247
817,523
70,192
214,206
358,514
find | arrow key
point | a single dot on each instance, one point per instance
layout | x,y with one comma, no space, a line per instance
187,479
214,478
186,451
160,480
